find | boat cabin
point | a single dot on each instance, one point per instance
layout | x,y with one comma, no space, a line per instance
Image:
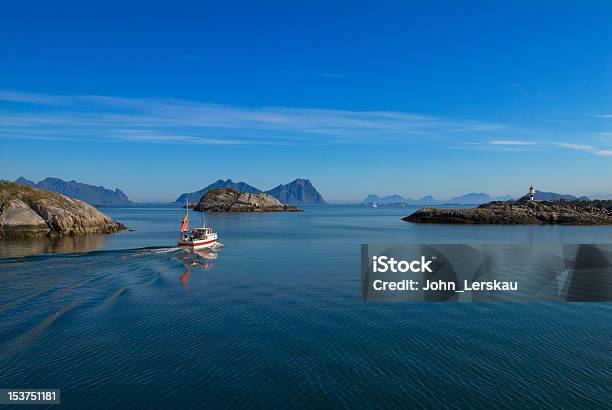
200,233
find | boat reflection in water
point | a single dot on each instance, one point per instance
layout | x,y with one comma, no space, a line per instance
199,258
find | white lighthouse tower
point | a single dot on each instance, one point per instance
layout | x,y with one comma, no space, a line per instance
532,192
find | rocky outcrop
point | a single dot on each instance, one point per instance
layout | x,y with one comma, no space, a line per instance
230,200
31,212
193,197
522,212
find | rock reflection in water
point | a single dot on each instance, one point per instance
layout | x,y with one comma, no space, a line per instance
15,248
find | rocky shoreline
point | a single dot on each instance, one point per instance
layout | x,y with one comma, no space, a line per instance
522,212
230,200
33,213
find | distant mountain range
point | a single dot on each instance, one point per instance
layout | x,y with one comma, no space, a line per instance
552,196
93,195
471,198
398,199
384,199
297,192
474,198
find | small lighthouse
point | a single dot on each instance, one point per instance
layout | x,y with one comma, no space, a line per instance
532,192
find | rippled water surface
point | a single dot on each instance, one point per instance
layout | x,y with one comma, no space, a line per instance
275,318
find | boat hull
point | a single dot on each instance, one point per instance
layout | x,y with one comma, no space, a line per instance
204,243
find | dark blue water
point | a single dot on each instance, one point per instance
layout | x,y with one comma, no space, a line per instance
275,319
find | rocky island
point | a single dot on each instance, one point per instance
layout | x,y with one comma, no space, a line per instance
521,212
297,192
231,200
29,212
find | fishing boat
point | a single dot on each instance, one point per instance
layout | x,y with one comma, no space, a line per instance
197,238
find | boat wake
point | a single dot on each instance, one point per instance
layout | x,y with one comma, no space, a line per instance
91,284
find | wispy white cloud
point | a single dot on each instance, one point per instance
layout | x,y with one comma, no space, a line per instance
526,145
586,148
33,98
578,147
151,137
167,119
497,145
179,121
511,142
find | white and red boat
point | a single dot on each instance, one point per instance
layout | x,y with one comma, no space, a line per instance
197,238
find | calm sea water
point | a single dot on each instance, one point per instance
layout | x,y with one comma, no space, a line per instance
275,319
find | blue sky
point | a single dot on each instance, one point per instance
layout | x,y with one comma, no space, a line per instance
435,97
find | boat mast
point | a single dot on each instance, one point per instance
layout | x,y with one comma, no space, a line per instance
187,211
185,222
